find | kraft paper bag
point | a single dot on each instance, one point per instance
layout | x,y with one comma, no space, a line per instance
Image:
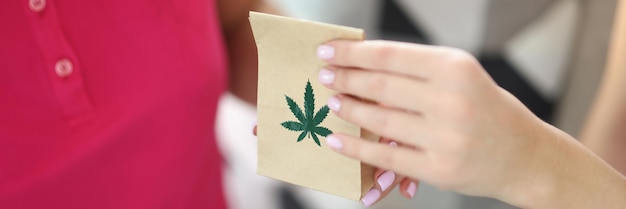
293,118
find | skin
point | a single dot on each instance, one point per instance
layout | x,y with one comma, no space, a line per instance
495,149
402,182
604,132
459,130
240,44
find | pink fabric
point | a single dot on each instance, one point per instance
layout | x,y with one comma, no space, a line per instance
128,123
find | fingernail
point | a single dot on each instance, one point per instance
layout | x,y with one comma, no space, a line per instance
393,144
411,189
370,197
334,103
386,179
334,142
325,52
326,76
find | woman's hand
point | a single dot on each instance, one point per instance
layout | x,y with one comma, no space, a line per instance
385,181
460,130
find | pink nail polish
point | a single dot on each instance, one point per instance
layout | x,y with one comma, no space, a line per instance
386,179
326,76
393,144
334,103
411,189
334,142
370,197
325,52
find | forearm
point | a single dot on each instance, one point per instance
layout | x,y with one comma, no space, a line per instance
605,134
242,48
242,63
565,174
605,129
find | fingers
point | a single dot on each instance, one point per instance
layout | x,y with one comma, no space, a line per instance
399,159
401,58
408,187
398,91
407,128
385,181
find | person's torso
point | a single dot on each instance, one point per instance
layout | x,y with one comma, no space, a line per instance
109,104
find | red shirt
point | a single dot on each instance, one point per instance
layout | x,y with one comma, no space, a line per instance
109,104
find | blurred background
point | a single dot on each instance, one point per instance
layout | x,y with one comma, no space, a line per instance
548,53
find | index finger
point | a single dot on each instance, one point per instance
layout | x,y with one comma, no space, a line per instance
413,60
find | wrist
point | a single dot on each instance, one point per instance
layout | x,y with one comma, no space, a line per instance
564,174
536,179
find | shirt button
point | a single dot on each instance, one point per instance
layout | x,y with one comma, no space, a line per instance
63,68
37,5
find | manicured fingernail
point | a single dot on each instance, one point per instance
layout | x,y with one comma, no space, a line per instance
411,189
334,103
326,76
370,197
393,144
386,179
334,142
325,52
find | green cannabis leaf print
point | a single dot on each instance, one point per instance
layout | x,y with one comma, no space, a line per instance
308,123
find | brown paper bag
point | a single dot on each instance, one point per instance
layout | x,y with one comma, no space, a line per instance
292,105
